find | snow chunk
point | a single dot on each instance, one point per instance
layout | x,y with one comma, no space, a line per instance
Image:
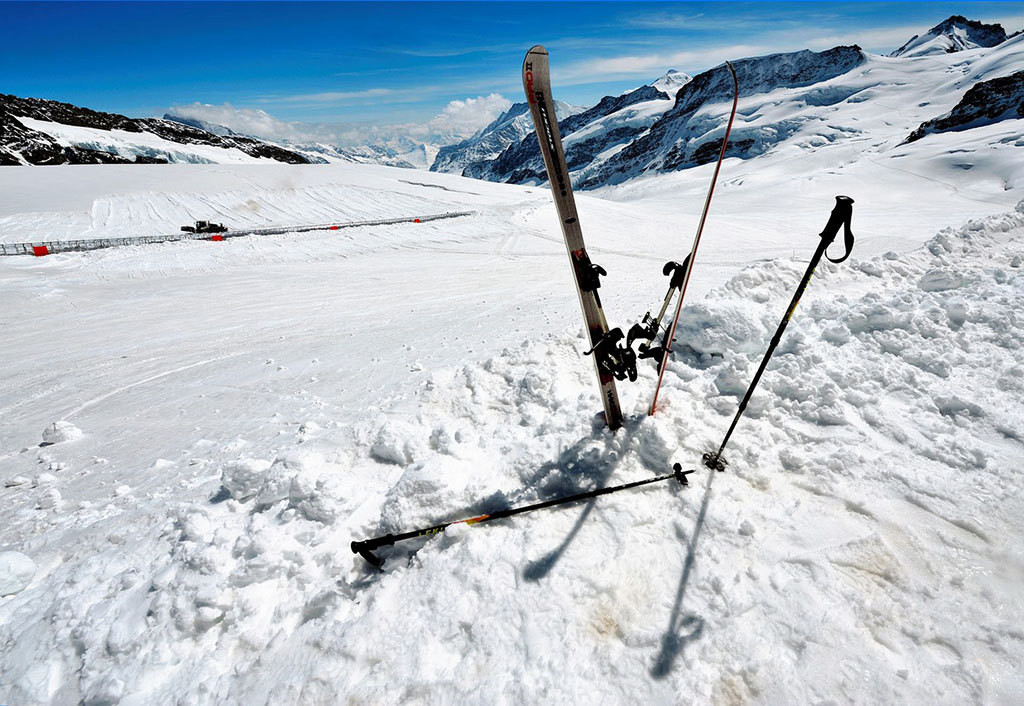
940,280
109,690
61,431
50,500
244,478
719,327
393,445
16,571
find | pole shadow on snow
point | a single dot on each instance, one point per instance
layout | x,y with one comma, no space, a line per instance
683,629
575,467
598,466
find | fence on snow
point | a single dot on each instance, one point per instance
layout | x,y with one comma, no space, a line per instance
48,247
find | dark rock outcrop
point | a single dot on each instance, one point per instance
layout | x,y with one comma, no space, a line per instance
36,147
984,103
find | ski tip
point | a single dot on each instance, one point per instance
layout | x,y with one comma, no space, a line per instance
536,52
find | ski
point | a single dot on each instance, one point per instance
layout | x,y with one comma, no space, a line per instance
666,351
611,359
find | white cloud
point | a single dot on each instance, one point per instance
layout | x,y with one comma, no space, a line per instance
335,96
650,66
458,120
465,117
249,121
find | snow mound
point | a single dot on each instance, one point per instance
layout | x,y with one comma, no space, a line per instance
16,571
244,478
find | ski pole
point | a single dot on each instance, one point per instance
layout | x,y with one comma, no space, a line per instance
671,335
840,218
366,547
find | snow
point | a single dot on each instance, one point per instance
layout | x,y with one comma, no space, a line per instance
133,144
226,418
671,82
16,571
143,200
955,34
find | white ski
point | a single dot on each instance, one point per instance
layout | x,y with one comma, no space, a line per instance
537,84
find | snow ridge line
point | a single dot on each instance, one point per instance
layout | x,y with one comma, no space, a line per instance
54,246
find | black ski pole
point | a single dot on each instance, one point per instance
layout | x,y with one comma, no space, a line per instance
840,218
366,547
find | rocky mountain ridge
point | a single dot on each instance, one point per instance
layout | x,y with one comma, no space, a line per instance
25,144
985,103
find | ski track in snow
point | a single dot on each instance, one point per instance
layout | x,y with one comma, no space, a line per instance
192,546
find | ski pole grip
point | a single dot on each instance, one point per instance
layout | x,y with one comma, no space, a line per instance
841,216
366,547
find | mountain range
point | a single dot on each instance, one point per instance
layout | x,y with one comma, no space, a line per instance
676,122
800,98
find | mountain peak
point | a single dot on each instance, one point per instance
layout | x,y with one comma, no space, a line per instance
956,33
671,82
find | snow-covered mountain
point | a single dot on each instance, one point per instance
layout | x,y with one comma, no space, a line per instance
801,101
38,131
985,103
671,82
687,135
649,129
192,434
509,128
954,34
590,136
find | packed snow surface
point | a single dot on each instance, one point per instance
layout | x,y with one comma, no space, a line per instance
192,433
232,417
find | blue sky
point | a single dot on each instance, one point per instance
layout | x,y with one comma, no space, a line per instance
395,62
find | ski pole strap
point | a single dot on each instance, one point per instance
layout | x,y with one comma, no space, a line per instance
841,216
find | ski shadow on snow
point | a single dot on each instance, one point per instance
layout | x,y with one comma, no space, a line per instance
596,466
683,629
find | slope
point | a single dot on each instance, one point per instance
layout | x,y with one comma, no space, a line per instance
275,403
